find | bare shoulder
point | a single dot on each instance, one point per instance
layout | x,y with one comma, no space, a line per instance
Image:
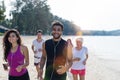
23,48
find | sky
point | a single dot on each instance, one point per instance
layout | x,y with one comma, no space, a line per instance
8,5
88,14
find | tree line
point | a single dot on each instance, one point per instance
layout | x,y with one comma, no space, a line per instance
2,10
30,15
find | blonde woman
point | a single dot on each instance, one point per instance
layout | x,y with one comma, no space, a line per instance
80,56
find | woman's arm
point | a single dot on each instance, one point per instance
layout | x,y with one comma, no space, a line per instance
65,68
24,51
26,55
84,62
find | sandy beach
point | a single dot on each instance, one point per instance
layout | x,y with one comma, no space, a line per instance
96,68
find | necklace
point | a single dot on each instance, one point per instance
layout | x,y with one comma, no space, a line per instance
12,55
55,45
14,49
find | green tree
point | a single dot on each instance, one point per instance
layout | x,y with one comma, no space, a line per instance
31,15
2,10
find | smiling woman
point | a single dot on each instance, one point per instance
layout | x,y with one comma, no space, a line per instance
16,55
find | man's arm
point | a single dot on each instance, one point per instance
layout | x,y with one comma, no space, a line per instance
32,48
43,58
68,55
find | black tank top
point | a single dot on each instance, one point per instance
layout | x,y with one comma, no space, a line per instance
56,56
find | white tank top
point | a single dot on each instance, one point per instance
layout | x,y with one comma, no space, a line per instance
78,65
38,45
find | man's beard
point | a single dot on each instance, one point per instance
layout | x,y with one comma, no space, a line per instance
56,37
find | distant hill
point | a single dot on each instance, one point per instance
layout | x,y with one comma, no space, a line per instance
101,33
114,32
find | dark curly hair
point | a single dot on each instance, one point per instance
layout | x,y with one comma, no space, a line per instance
57,23
7,45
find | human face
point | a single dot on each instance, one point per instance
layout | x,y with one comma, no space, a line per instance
39,35
69,40
12,38
78,43
56,32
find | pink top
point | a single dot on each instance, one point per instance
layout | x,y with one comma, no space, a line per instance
15,59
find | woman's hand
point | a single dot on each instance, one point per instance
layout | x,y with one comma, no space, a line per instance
19,68
76,59
84,62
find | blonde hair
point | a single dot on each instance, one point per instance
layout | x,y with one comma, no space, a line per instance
79,39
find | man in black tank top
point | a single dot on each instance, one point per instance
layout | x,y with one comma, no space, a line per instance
55,52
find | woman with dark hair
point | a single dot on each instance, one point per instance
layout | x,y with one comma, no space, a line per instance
16,55
70,43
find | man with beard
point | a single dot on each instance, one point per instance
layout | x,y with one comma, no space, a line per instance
55,54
